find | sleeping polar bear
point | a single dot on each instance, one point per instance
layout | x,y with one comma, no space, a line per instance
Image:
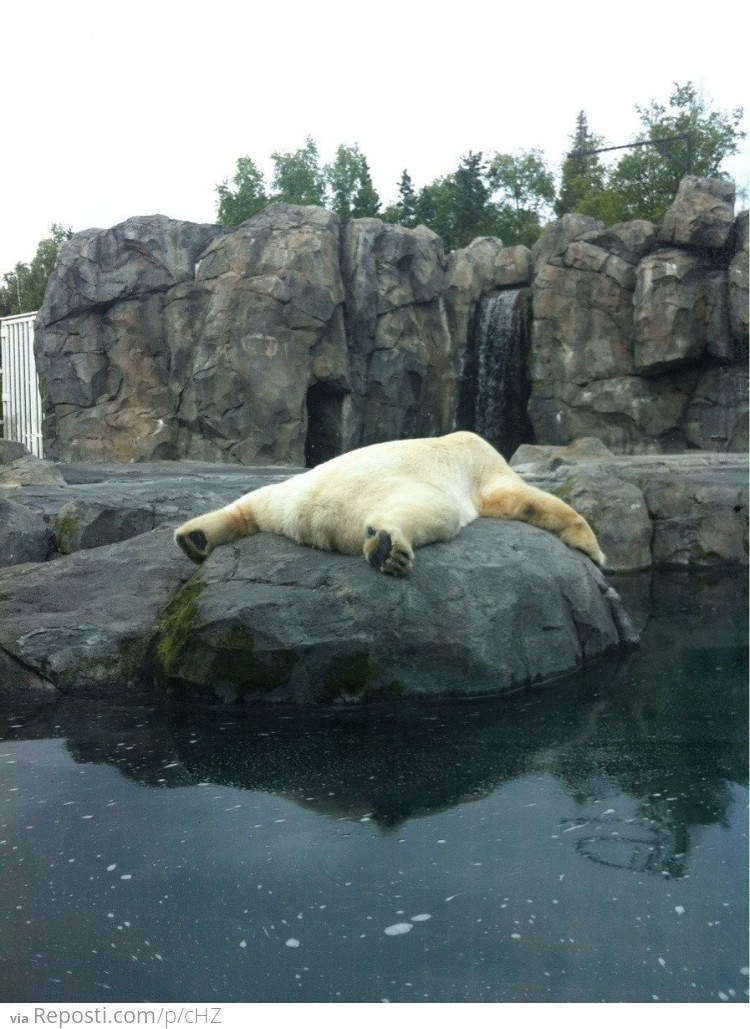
388,499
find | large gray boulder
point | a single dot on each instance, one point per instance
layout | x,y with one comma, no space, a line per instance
556,239
500,607
702,214
137,257
651,511
583,316
259,328
19,467
681,311
24,533
630,241
716,416
628,413
79,626
581,362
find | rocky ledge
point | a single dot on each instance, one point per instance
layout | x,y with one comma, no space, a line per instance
103,604
97,601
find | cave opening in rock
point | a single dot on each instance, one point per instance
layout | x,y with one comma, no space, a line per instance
324,418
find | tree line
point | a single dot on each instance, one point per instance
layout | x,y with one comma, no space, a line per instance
511,196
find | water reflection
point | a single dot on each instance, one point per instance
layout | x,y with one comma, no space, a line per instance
605,811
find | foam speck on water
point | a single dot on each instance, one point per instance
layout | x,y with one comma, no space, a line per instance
398,929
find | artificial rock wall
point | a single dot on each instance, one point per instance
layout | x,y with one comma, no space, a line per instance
287,340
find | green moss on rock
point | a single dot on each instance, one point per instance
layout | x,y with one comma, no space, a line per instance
175,625
66,526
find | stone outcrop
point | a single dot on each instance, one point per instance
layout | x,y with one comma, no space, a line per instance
472,618
650,511
402,382
18,467
702,214
502,606
287,341
260,327
638,334
162,340
104,361
738,284
99,599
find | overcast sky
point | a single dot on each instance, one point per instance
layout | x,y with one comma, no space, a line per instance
115,109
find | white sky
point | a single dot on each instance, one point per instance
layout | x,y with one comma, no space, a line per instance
114,109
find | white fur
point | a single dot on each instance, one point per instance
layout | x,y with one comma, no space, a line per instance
416,491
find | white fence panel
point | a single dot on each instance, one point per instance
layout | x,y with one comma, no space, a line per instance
22,404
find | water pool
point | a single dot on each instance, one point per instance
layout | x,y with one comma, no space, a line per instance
583,842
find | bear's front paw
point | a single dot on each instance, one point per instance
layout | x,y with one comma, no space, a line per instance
389,552
580,537
193,543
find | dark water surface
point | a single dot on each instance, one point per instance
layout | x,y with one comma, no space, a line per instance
585,842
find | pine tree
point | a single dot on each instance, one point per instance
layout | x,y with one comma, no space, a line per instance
407,201
583,175
366,200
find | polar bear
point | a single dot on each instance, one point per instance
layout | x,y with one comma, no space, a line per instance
387,499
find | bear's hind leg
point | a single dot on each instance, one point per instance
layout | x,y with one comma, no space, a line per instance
393,533
516,500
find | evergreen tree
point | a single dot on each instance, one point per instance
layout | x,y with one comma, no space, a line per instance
583,174
471,195
436,208
367,201
407,201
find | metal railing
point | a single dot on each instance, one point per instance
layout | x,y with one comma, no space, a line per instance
22,404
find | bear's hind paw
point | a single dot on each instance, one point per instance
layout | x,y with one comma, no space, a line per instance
390,556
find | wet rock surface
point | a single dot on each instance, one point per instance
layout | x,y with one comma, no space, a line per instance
98,600
119,610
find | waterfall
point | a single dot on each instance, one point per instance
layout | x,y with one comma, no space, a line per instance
495,387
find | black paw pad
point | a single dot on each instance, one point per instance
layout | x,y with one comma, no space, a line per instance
198,538
379,554
194,545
